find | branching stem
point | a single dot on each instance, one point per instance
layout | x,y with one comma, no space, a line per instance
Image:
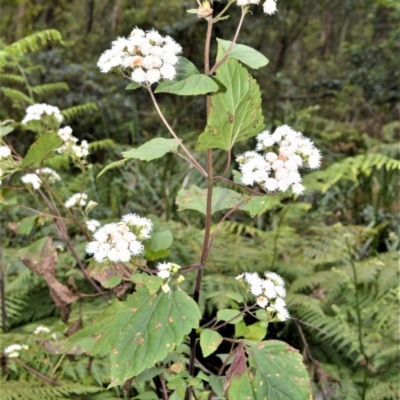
175,136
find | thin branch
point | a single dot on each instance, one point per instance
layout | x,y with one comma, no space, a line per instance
359,321
256,192
175,136
232,210
37,373
225,55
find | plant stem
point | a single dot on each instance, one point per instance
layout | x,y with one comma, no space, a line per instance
37,373
172,132
210,179
359,321
2,288
255,192
222,59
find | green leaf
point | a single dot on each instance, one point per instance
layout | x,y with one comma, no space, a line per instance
151,327
160,240
146,396
138,333
240,388
235,296
5,129
114,281
259,204
26,225
154,148
209,341
217,385
133,86
191,86
42,149
112,165
233,316
152,282
196,199
279,371
257,331
245,54
155,255
236,113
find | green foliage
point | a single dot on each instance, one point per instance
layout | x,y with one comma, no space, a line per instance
196,199
279,371
236,113
42,149
245,54
139,332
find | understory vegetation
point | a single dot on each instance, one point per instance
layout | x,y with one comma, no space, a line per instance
332,74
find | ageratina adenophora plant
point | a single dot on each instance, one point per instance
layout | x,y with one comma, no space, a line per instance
157,335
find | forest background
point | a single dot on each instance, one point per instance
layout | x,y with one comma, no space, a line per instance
334,75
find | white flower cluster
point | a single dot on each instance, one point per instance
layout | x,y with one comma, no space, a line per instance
269,6
147,56
269,292
165,271
5,152
36,182
78,199
41,329
13,350
70,143
35,113
120,241
279,169
92,224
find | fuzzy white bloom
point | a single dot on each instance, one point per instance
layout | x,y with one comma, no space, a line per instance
70,145
78,199
13,350
147,57
37,111
285,151
41,329
36,182
246,2
165,270
5,152
165,288
269,292
32,179
92,224
269,7
120,242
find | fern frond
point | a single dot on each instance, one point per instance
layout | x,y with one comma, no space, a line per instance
33,42
12,78
349,169
17,96
17,390
48,88
73,112
101,144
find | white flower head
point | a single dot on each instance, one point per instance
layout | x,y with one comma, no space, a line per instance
119,242
78,199
146,57
269,7
5,152
37,111
41,329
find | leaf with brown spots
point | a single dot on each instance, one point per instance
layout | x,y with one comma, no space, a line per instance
279,371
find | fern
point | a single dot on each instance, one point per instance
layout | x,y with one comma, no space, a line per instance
48,88
12,78
73,112
17,96
17,390
33,42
